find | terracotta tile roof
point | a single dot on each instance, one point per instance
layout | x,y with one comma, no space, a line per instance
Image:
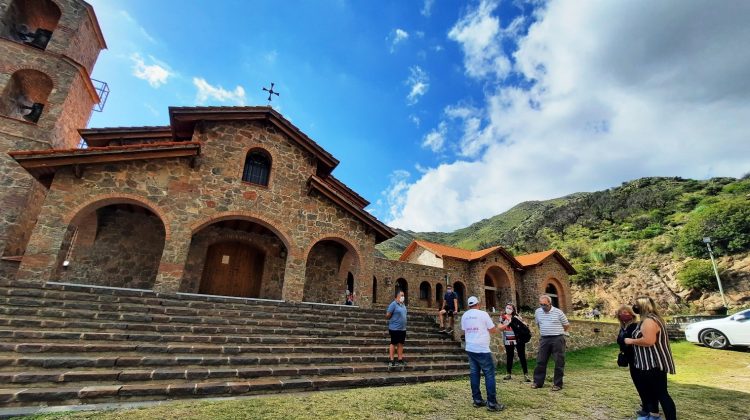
453,252
99,137
531,260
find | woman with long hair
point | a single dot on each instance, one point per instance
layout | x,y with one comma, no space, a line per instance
514,337
653,359
626,358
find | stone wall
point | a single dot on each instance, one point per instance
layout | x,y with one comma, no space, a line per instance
125,253
387,271
536,279
326,274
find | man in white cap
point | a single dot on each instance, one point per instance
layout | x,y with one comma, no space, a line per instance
477,326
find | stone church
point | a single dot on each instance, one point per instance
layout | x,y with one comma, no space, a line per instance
228,201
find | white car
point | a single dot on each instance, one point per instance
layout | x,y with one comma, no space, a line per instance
721,333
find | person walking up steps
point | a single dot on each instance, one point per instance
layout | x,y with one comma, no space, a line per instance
477,326
553,325
449,309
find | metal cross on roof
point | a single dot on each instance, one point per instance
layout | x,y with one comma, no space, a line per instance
271,92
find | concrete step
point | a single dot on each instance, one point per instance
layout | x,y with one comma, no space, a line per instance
51,336
14,397
328,331
12,362
55,312
260,313
46,378
132,348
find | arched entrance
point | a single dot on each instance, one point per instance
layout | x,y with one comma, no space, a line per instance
439,295
425,294
551,290
403,285
233,268
235,257
498,288
460,291
116,245
331,270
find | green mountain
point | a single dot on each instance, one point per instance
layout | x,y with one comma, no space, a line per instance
604,233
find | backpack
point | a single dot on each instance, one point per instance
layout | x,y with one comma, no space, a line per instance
523,333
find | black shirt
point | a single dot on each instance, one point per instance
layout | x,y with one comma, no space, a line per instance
449,298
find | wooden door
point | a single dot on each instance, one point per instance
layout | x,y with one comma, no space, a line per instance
232,269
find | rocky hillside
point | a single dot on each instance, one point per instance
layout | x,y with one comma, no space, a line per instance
644,236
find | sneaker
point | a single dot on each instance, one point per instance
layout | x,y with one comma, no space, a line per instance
479,404
442,330
507,377
495,407
391,364
401,363
526,378
450,331
535,386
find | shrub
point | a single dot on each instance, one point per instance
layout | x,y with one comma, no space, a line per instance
650,231
727,222
697,274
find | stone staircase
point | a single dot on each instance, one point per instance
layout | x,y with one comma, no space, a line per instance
73,344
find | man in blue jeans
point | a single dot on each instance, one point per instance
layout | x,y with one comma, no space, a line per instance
478,326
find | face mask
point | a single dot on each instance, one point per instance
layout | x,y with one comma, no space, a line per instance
508,311
625,317
637,309
402,299
545,307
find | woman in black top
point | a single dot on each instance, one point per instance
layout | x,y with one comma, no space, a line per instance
514,337
627,325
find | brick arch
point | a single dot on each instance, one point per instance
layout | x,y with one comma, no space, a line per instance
77,214
563,292
346,243
511,284
244,215
14,68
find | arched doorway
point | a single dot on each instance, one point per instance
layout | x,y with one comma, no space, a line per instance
330,271
498,288
439,295
460,291
235,257
403,285
116,245
233,268
425,294
551,290
374,289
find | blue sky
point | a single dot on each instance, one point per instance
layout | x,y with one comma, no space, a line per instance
444,113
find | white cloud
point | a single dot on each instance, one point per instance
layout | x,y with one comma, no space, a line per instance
479,34
209,93
395,197
415,119
398,36
435,139
609,94
427,8
155,74
126,16
419,84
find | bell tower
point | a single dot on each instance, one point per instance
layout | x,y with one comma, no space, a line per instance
48,49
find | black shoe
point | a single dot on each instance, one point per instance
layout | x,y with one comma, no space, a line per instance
392,364
495,407
480,404
401,363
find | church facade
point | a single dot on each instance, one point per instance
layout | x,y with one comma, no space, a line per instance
230,201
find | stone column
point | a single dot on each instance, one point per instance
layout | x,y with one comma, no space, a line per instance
173,260
294,276
39,261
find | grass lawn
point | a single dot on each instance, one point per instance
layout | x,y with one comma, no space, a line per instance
710,384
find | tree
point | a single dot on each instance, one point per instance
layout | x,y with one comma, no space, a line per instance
727,222
697,274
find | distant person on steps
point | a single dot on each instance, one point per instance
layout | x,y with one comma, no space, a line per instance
396,316
449,309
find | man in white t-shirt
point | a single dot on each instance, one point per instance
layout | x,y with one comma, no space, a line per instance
477,326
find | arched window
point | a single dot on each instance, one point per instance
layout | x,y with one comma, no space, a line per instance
374,289
257,168
439,295
26,94
551,290
31,22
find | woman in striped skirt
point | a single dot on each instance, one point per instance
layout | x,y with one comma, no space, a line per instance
653,359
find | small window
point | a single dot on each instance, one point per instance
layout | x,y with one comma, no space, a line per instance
257,168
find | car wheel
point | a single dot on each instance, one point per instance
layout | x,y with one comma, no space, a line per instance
714,339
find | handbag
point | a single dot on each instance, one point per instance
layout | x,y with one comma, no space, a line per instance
622,360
